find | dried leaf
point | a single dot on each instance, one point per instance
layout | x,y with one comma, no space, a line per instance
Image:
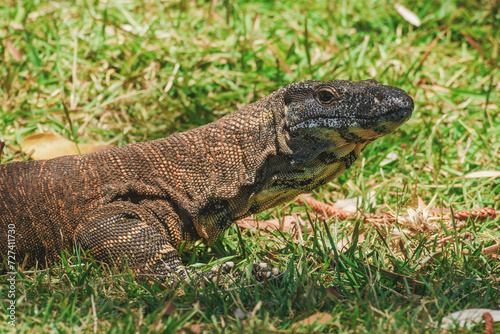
272,256
390,157
13,51
418,220
467,236
48,145
169,307
493,250
287,223
333,292
193,329
421,203
352,204
408,15
15,25
483,174
469,317
345,243
324,209
318,318
348,204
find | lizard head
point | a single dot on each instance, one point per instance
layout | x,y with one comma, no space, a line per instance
337,117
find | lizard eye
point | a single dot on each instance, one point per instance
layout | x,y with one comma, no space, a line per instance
326,96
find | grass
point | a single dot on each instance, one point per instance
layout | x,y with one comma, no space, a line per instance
133,70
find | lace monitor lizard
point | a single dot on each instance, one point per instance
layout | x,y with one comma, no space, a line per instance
142,201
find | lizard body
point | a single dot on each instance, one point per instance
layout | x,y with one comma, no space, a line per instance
142,201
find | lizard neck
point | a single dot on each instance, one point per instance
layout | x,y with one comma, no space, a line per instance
243,164
227,163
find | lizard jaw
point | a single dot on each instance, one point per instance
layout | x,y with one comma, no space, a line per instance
355,129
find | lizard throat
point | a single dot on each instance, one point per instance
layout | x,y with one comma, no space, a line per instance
285,185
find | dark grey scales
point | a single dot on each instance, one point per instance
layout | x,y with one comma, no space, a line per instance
142,201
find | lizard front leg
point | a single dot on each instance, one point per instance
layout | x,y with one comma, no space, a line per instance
124,231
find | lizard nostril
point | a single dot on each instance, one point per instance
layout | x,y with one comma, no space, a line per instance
379,98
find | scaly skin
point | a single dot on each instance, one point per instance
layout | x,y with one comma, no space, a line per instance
142,201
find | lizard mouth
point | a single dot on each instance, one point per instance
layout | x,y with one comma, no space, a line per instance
380,125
